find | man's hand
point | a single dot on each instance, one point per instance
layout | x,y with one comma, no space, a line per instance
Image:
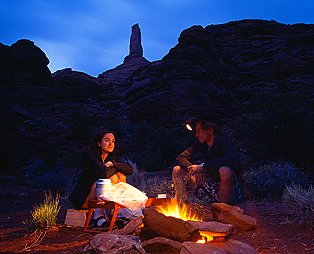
199,178
195,169
197,172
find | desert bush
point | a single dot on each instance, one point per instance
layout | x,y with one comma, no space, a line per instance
302,199
44,216
137,179
156,185
270,179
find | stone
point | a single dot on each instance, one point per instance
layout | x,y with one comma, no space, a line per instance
161,245
157,224
131,63
234,215
136,49
193,248
232,246
213,228
107,243
130,228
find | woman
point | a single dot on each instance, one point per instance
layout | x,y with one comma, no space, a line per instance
98,163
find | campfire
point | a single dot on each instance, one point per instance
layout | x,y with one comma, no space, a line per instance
185,213
176,210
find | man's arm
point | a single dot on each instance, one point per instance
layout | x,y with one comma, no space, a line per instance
184,158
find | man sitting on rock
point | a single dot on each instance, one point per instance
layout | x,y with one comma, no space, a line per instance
208,167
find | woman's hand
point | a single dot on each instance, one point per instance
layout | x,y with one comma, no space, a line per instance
108,164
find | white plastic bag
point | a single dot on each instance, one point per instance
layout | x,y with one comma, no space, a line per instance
126,195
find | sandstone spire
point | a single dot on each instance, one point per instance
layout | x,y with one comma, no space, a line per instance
136,49
131,63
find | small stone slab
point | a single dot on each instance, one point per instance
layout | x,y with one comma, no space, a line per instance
193,248
214,228
233,215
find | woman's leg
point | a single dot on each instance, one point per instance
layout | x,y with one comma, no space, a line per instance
117,178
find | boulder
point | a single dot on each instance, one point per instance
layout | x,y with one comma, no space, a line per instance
193,248
232,246
107,243
161,245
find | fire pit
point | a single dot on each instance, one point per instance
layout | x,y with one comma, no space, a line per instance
172,228
179,222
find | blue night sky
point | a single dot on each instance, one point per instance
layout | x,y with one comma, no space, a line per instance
93,35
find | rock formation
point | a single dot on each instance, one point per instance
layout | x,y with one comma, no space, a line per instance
136,49
24,62
131,63
256,74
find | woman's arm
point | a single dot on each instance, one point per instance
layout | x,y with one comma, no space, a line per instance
123,167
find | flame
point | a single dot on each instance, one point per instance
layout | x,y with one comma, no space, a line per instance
180,211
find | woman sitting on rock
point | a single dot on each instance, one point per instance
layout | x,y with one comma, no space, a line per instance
98,163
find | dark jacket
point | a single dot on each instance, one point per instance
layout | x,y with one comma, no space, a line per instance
223,152
93,169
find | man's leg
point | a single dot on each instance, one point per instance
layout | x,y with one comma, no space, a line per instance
182,180
227,183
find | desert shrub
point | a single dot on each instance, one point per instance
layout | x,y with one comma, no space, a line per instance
270,179
44,216
302,199
156,185
137,179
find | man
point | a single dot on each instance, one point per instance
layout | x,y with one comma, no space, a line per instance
218,162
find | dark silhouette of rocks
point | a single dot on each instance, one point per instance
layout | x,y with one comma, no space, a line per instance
131,63
256,75
136,49
24,61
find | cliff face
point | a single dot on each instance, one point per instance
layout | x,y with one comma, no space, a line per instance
258,76
228,68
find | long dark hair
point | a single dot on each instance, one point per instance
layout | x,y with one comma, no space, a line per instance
95,147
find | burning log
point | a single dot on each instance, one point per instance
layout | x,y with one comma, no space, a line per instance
157,224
